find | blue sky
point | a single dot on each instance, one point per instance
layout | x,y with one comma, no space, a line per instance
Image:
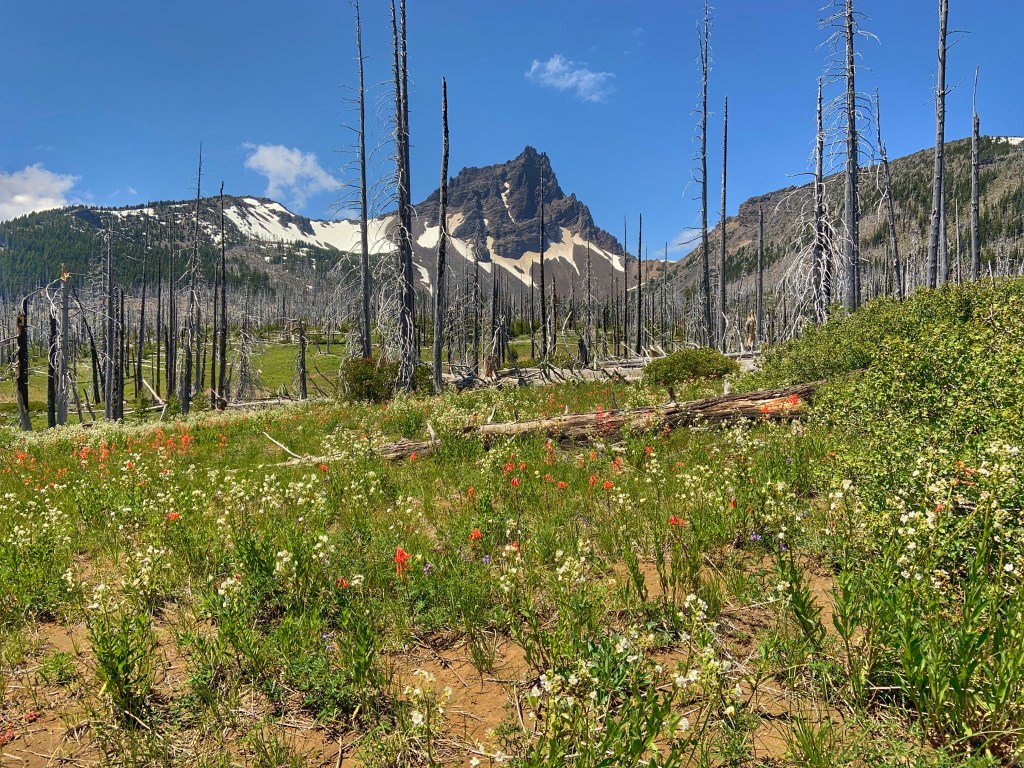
107,103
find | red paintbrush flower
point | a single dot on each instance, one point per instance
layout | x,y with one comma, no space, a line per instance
401,558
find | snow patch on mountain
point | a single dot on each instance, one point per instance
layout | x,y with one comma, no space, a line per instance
271,221
504,199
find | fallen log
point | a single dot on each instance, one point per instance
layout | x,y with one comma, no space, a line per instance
405,448
763,405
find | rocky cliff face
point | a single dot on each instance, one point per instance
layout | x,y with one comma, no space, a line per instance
500,208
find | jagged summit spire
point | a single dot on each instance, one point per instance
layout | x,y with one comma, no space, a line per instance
502,202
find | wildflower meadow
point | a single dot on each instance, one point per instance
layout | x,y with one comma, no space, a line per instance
842,589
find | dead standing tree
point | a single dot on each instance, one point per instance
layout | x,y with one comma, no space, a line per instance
442,240
821,269
889,204
704,42
937,268
586,339
365,341
842,68
171,330
21,377
852,212
759,287
639,288
191,320
407,354
975,187
722,308
109,388
543,247
141,335
63,375
222,392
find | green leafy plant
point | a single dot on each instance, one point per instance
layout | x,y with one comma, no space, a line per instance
123,643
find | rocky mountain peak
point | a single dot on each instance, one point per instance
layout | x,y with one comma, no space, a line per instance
498,206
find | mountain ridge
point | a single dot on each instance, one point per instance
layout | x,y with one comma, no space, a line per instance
494,222
493,218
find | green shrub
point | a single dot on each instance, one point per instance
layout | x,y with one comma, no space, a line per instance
687,365
373,380
853,342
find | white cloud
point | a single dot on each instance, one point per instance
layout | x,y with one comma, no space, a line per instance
561,74
293,176
33,188
685,242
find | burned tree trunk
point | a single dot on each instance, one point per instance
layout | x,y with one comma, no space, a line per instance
543,295
222,390
640,288
192,330
721,253
442,243
852,213
494,356
159,321
109,389
889,204
704,41
759,288
215,328
364,264
407,353
63,379
587,338
554,316
625,293
975,188
821,268
303,391
122,353
171,341
21,374
475,305
51,373
142,315
935,274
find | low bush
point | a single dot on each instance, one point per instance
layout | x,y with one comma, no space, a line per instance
368,379
687,365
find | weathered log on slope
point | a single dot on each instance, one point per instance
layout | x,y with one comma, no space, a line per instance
405,448
776,404
763,405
